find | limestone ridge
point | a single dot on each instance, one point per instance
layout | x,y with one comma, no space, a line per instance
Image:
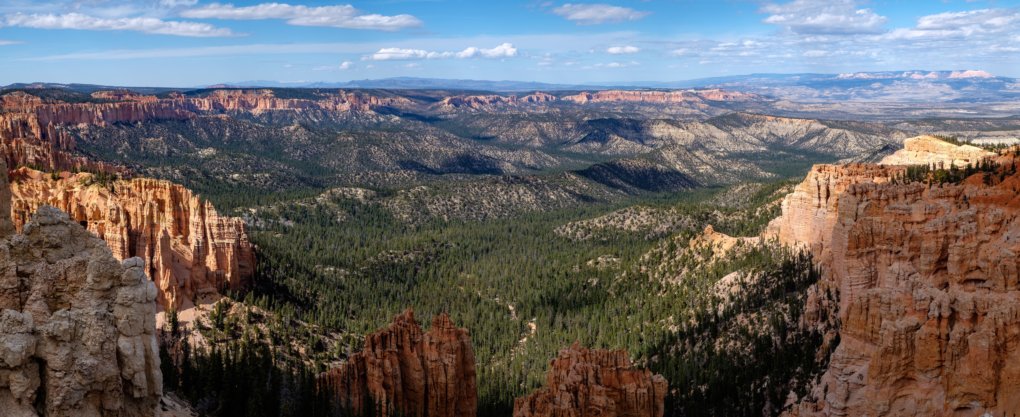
404,371
929,280
190,250
77,327
595,383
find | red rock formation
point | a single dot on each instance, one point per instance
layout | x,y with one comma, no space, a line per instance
77,328
595,383
32,131
929,283
403,370
188,248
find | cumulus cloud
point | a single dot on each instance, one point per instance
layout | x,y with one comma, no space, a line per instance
824,17
80,21
345,16
504,50
592,14
621,50
344,66
963,25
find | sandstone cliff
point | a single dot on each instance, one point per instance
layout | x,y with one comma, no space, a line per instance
77,329
190,251
590,383
407,372
930,289
926,150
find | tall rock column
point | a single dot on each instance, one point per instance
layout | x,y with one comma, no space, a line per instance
404,371
595,383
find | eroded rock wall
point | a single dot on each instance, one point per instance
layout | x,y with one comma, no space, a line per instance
404,371
929,285
189,249
595,383
77,327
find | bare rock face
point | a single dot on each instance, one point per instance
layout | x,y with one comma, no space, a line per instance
927,150
590,383
77,327
189,249
407,372
929,280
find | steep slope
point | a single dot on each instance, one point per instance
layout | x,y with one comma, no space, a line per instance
928,277
925,150
404,371
189,249
77,329
591,383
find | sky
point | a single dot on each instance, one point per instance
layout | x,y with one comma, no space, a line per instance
190,43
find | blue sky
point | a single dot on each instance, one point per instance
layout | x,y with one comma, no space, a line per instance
186,43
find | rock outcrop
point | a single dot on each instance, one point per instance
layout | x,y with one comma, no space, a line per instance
407,372
77,327
929,284
189,249
595,383
929,150
657,97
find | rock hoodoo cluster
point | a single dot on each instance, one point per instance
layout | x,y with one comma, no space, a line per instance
77,327
190,251
930,288
595,383
405,371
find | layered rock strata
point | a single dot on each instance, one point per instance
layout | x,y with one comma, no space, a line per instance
590,383
929,280
77,329
929,150
190,250
404,371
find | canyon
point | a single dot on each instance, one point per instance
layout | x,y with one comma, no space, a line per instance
928,281
77,326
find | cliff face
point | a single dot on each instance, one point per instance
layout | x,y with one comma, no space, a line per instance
925,150
409,372
188,248
77,327
590,383
32,130
657,97
930,290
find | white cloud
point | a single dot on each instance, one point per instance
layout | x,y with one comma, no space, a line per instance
620,50
504,50
177,3
966,25
824,17
80,21
591,14
680,52
346,16
346,65
616,64
4,42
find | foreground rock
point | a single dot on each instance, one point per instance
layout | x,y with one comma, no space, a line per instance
930,289
590,383
77,331
190,251
404,371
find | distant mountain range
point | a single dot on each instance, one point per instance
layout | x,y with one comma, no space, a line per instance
962,86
